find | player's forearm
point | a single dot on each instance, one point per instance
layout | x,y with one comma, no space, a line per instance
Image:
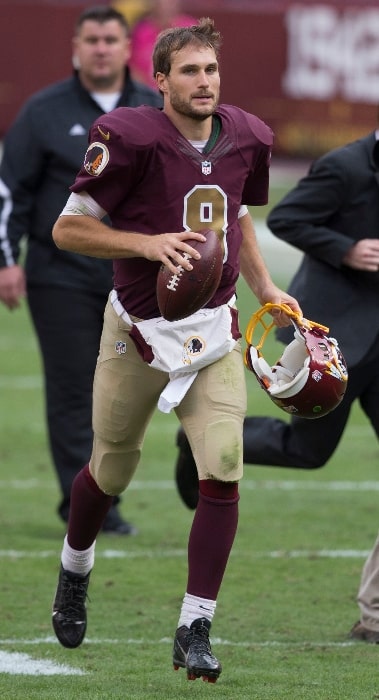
258,279
89,236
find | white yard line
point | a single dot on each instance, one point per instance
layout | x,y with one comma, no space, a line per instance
16,555
15,663
247,484
165,640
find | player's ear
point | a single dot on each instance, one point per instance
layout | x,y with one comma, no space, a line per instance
161,79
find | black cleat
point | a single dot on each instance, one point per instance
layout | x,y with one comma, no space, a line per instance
69,609
187,480
192,650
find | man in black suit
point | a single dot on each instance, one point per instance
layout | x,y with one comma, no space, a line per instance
332,215
66,293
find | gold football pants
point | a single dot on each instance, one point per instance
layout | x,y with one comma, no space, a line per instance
125,395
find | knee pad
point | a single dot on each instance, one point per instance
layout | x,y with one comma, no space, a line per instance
113,469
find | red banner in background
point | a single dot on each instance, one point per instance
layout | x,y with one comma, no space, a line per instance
309,69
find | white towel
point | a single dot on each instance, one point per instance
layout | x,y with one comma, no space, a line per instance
175,391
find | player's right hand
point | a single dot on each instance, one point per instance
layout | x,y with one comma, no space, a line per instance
170,248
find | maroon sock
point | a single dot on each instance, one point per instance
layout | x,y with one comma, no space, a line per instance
211,538
88,508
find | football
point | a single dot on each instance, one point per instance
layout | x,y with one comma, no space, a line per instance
181,294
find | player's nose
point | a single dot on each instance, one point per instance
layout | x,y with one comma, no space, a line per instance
203,78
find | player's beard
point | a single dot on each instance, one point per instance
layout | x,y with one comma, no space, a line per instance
185,107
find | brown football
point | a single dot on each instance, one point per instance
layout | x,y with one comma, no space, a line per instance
181,294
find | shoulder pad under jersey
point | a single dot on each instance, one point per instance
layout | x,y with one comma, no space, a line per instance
245,120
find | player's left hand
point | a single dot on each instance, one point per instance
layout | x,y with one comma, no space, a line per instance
275,295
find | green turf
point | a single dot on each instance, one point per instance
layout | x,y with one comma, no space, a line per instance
288,598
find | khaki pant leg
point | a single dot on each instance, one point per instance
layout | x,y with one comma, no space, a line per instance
125,395
212,415
368,595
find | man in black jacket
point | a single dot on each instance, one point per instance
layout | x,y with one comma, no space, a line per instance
332,216
66,293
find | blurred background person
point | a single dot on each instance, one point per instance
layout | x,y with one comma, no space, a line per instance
162,15
66,293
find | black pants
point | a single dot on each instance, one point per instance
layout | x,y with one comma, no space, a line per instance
308,444
68,324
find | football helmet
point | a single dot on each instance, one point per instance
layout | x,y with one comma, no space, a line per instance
310,378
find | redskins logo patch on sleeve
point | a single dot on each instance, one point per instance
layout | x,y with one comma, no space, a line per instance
96,158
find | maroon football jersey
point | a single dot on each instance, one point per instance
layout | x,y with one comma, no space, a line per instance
150,179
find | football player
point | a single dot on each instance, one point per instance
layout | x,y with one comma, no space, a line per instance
162,176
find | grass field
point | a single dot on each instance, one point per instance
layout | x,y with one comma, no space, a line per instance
288,599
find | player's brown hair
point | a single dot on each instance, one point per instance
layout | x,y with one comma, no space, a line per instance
176,38
101,14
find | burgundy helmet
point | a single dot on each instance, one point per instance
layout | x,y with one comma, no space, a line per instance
310,378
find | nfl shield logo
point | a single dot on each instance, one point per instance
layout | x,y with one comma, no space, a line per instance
120,347
206,167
